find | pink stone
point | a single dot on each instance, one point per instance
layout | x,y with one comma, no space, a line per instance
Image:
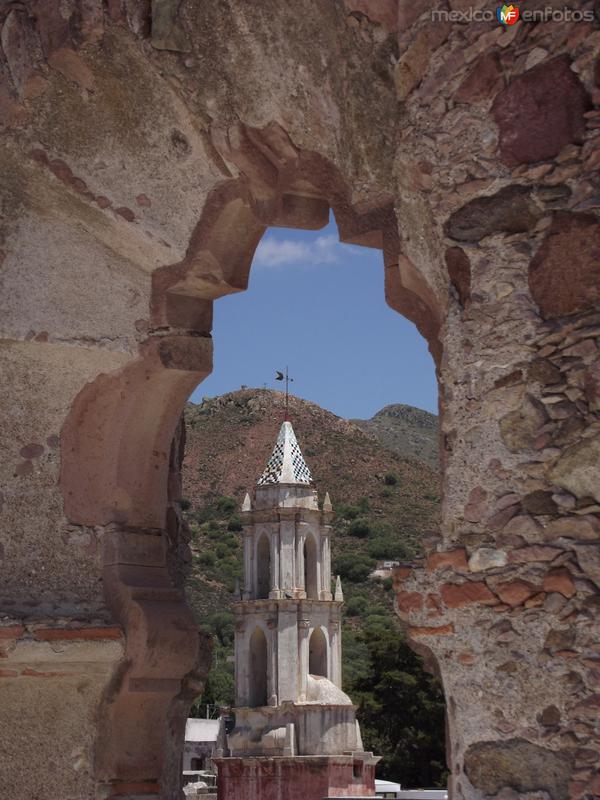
457,559
126,213
514,593
72,67
540,112
457,595
32,451
409,601
524,555
559,580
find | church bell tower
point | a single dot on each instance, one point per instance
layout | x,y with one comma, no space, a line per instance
290,707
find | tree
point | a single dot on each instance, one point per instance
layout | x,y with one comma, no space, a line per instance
401,710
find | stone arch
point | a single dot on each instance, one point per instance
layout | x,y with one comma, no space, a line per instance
318,654
258,669
311,557
369,106
263,567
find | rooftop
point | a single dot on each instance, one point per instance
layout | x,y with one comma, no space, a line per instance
287,464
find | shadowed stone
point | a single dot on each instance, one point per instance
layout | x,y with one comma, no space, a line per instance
167,33
578,469
511,210
540,112
564,274
519,765
480,84
519,428
459,270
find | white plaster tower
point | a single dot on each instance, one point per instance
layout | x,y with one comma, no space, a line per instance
289,698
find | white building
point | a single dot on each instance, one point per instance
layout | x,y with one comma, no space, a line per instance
199,745
288,653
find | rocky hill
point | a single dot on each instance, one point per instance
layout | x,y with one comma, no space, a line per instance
384,503
408,431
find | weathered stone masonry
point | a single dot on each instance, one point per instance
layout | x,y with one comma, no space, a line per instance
146,148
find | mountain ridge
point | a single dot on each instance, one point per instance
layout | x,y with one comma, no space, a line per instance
407,430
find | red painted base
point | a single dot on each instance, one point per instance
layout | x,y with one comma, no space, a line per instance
295,778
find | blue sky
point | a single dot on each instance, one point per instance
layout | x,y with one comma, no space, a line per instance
318,306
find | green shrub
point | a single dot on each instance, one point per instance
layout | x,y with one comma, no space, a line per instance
230,541
226,505
359,528
364,505
222,625
382,548
185,504
356,605
222,550
390,479
207,558
234,524
353,568
347,512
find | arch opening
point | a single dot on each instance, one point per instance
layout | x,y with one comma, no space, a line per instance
318,652
263,568
258,669
364,520
182,298
310,568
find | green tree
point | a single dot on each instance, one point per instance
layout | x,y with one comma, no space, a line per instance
401,708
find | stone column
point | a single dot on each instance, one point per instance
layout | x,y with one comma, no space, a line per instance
303,659
272,656
287,534
325,565
248,563
300,576
275,593
335,653
241,664
287,651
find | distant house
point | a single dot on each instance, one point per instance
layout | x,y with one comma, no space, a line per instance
384,569
391,790
200,740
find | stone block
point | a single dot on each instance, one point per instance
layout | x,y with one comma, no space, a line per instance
511,210
520,765
457,595
540,112
564,274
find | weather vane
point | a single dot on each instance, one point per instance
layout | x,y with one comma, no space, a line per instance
279,376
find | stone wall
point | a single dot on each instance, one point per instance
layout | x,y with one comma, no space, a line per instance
146,148
504,147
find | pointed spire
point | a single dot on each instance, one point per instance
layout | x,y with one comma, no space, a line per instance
287,464
327,503
339,595
247,504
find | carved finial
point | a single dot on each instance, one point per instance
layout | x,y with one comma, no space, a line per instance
339,595
247,504
327,503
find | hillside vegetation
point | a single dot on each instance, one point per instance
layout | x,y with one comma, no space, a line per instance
409,432
384,503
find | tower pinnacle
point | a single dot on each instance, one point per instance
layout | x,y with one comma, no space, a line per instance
287,464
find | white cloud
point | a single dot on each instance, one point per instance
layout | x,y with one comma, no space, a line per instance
278,252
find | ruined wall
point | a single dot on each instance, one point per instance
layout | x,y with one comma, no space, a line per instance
146,147
122,144
503,149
